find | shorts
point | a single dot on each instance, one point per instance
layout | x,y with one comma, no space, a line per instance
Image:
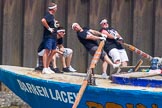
41,52
49,43
67,52
93,50
118,54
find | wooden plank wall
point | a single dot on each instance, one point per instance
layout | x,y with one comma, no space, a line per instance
1,29
157,41
138,21
1,20
12,32
143,26
32,35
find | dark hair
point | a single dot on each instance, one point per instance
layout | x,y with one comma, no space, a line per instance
60,28
51,4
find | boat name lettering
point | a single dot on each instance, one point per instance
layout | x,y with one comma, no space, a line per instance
57,95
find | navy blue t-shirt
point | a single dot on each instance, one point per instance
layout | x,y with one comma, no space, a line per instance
88,44
60,41
51,22
111,43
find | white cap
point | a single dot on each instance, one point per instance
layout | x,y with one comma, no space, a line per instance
73,25
103,21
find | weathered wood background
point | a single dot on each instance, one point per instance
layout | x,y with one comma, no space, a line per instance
138,21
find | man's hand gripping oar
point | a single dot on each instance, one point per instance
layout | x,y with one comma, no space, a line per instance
89,73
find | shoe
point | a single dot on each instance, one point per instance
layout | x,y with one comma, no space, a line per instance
46,71
51,71
104,75
39,68
71,69
65,69
56,70
116,65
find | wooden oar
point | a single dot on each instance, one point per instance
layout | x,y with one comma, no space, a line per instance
137,51
144,55
89,72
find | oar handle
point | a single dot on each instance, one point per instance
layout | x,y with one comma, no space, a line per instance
97,55
137,51
89,72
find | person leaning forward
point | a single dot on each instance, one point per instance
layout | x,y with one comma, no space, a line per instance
112,45
88,38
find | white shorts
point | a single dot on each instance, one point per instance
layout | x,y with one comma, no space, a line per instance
67,52
41,52
118,54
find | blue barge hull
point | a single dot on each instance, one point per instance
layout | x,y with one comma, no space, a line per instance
60,90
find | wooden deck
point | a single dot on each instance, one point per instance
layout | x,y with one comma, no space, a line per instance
75,78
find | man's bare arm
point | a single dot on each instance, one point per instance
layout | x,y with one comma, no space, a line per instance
95,32
45,24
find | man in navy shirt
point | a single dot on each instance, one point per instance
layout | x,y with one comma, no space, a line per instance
49,37
64,53
67,53
112,46
88,38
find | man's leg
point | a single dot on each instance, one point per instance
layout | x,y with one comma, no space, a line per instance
103,58
45,57
45,64
115,55
104,70
63,61
66,60
50,50
54,63
104,66
49,59
124,57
